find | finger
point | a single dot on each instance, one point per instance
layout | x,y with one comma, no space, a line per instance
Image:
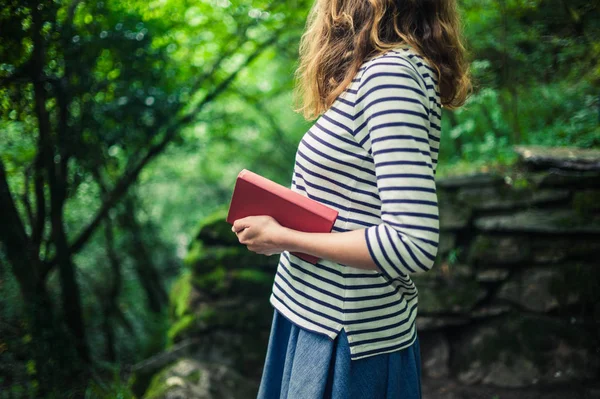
240,229
240,224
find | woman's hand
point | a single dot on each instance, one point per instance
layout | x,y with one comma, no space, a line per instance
261,234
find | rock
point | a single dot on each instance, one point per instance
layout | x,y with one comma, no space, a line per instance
569,158
557,221
214,230
452,271
453,295
481,360
492,275
567,179
447,243
435,354
206,259
472,180
453,217
569,363
556,249
531,289
430,323
532,235
474,374
511,373
487,250
489,311
586,202
192,379
505,198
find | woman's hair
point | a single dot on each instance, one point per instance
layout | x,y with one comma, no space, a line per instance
342,34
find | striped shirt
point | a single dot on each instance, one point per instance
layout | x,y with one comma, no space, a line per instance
372,156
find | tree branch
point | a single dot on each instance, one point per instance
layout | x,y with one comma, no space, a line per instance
12,233
129,177
25,196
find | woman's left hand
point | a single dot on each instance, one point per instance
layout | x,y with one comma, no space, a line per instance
261,234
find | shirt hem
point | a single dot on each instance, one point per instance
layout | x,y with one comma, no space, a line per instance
378,350
299,321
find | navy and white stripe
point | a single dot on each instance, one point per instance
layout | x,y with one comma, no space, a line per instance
372,156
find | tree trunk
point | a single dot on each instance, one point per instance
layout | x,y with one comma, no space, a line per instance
57,182
51,350
144,267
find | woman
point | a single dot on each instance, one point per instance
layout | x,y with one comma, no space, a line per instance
377,73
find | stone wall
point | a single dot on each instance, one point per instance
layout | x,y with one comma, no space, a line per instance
512,302
514,299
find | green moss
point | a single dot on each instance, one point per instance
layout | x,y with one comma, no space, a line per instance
179,295
252,277
521,183
178,327
194,254
194,376
213,257
453,295
157,387
213,282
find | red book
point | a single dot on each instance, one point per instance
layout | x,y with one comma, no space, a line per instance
255,195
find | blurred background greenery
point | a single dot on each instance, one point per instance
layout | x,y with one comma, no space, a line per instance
123,124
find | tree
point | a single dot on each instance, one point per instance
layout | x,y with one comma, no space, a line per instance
92,93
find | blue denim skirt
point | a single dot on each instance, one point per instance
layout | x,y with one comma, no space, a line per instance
301,364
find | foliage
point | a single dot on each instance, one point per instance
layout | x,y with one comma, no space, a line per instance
536,71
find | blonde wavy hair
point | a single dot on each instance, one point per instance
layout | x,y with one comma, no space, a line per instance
342,34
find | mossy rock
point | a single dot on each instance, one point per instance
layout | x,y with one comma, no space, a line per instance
179,296
560,248
453,215
222,282
567,179
578,281
498,250
556,221
509,197
194,254
447,243
455,296
586,202
181,327
214,282
215,230
189,378
562,157
239,314
204,259
470,180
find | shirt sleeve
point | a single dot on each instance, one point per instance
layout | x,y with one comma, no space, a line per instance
393,126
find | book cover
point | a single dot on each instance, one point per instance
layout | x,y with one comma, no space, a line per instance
255,195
